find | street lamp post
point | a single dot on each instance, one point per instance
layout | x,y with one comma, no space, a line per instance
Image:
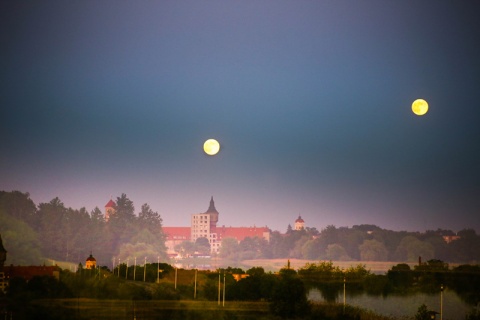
119,267
135,269
126,271
158,269
195,289
224,289
145,269
218,287
441,302
344,295
175,277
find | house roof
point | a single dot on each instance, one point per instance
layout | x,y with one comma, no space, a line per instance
241,233
175,233
110,204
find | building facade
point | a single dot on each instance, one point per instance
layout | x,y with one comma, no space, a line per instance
205,225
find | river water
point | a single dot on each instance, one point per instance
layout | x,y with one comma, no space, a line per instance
404,305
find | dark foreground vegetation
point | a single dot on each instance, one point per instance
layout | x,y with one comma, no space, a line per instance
101,294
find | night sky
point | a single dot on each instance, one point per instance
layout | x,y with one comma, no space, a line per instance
310,101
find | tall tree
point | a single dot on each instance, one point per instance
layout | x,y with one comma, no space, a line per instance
373,250
122,224
20,240
18,205
151,221
50,220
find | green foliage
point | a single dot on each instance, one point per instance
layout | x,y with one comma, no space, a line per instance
20,240
289,297
322,272
229,248
336,252
422,313
465,280
410,248
400,276
474,315
431,275
373,250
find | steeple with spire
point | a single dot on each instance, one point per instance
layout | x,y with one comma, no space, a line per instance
213,213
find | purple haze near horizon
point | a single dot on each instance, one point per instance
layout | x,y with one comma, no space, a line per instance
310,101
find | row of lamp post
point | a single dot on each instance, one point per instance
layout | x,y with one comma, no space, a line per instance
144,269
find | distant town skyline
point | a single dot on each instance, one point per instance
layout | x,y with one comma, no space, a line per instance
310,102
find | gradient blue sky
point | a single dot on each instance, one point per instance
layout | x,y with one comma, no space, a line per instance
310,100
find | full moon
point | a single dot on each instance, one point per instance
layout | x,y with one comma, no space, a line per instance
419,107
211,147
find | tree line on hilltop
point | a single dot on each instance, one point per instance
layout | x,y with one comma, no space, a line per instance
51,230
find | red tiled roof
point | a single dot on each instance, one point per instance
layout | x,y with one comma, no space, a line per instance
110,204
241,233
28,272
175,233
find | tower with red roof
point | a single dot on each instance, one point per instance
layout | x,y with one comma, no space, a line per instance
110,209
299,223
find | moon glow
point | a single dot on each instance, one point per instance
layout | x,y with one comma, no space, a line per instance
211,147
419,107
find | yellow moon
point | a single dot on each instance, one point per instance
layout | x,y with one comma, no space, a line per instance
419,107
211,147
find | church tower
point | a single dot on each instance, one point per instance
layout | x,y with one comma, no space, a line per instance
299,223
205,225
91,262
109,209
213,214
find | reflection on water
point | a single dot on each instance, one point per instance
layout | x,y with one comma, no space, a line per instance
403,305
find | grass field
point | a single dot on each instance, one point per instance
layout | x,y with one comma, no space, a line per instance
181,310
154,309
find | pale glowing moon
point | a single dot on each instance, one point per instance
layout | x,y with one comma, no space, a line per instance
419,107
211,147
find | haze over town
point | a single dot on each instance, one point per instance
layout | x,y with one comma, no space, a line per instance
310,101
